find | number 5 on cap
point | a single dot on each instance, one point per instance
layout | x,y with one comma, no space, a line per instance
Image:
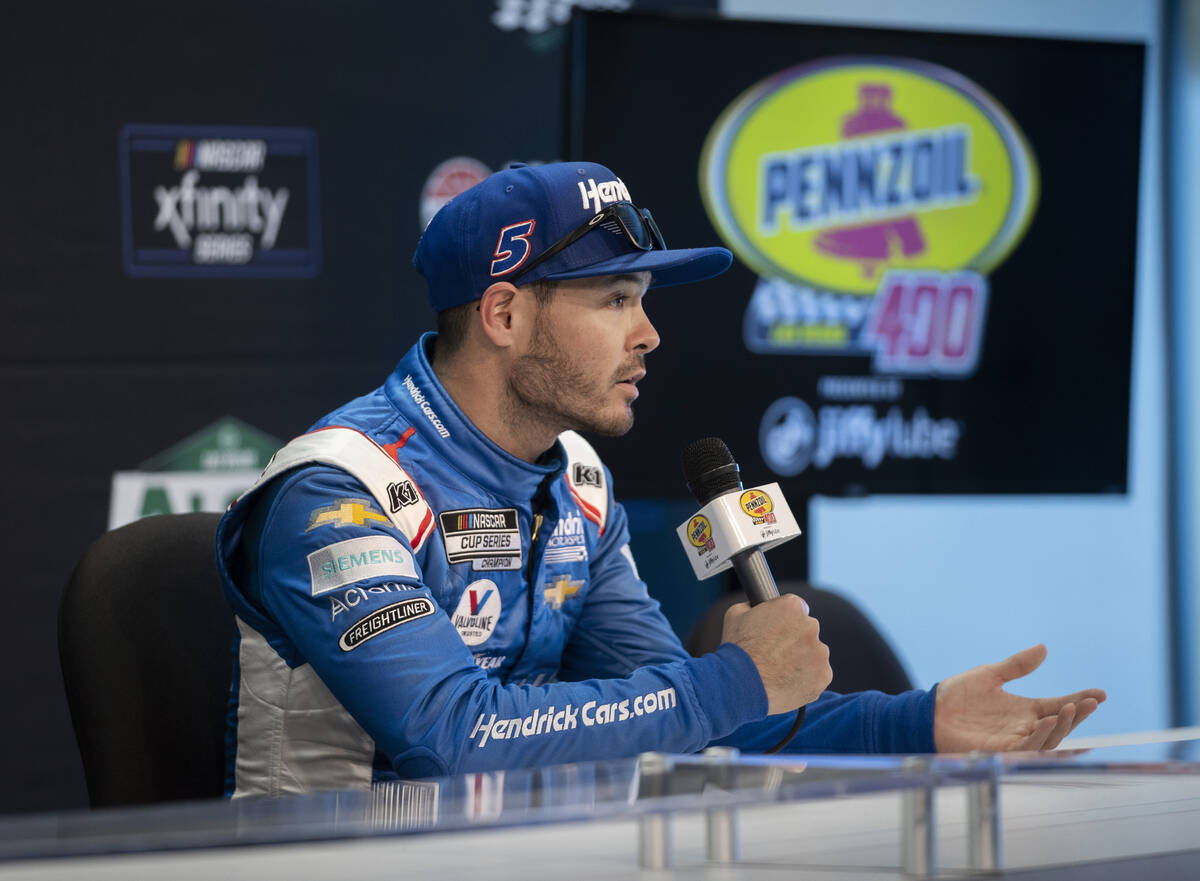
512,248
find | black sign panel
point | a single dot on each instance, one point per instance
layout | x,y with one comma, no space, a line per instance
934,239
220,201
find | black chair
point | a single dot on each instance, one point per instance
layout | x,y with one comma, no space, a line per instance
861,658
144,638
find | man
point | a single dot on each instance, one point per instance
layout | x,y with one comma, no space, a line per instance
436,578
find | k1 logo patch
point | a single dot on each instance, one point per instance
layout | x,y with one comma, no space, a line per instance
586,475
402,494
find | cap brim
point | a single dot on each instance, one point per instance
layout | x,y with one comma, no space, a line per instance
668,267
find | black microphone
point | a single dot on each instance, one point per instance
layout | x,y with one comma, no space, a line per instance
710,471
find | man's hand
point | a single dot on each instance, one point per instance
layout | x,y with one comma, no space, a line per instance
783,641
973,712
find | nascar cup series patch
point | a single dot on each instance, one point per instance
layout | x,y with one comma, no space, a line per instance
872,196
488,538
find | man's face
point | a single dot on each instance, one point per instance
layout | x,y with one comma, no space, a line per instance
586,355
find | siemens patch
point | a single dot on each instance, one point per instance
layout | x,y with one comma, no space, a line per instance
219,201
489,537
359,559
384,620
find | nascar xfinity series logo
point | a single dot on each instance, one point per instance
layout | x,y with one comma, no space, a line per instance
872,196
225,201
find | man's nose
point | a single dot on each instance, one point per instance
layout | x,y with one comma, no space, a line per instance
645,337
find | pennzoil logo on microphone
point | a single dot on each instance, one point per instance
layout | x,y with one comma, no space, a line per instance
758,505
219,201
699,533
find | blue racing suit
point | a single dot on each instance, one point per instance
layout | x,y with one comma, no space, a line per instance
412,600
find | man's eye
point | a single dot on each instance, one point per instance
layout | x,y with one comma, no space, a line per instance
619,300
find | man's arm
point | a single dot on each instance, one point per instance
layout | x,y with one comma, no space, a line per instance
621,628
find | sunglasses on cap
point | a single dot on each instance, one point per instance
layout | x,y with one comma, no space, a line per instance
637,224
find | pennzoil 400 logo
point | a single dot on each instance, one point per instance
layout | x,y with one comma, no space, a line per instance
872,196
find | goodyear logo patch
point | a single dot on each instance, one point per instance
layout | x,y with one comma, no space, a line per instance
830,178
346,512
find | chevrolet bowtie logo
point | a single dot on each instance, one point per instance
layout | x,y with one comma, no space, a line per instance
345,512
559,589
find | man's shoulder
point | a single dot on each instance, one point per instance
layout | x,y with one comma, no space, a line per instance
340,471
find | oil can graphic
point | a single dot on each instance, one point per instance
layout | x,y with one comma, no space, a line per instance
872,244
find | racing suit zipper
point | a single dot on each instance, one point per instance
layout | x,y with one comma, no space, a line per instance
540,500
531,568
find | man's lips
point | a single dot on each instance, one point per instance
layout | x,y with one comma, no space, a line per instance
630,382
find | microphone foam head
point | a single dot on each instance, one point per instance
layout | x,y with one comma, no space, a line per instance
709,469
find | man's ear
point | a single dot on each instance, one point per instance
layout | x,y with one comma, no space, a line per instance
495,310
503,311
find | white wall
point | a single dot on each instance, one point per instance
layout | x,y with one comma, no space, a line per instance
1184,176
958,581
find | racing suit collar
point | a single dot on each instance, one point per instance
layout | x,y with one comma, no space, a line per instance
415,391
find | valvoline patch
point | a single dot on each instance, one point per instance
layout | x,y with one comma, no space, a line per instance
834,172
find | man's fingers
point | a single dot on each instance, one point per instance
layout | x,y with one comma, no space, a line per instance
1047,706
1062,727
1041,731
1021,664
736,611
1083,709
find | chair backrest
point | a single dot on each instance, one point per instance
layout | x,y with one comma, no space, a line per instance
861,658
144,638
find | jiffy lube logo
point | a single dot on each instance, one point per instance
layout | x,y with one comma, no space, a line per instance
872,196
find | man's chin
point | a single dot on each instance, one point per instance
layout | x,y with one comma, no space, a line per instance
614,427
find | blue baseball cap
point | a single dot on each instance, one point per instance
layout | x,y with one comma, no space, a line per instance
488,233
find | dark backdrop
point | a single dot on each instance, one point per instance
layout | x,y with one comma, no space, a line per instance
1047,408
101,371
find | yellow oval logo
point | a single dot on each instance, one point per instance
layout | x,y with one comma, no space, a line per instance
756,503
836,172
699,531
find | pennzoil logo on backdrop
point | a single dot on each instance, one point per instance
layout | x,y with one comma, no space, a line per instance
219,201
872,196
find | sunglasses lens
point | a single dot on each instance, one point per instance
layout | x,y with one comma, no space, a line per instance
640,234
655,233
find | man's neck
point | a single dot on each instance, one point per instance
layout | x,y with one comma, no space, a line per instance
480,390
